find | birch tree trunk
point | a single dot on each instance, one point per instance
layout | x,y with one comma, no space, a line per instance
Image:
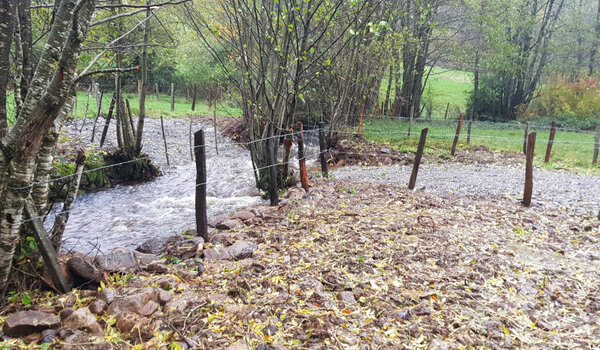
142,116
7,11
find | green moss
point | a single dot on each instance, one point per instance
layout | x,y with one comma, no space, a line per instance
64,169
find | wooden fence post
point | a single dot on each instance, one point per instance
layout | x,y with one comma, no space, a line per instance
415,170
322,148
108,117
156,89
410,121
375,112
200,153
301,159
525,138
273,188
596,142
469,127
529,170
446,114
97,116
550,142
360,122
172,97
191,141
382,110
194,97
215,129
460,122
162,127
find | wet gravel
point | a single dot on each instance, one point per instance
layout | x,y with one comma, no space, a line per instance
576,192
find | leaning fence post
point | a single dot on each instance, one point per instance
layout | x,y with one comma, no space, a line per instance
273,194
469,127
360,123
447,107
301,159
550,142
97,116
529,170
162,127
596,142
525,138
415,170
200,153
172,97
322,148
194,97
215,129
108,117
375,111
460,121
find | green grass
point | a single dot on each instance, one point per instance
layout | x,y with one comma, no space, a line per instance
571,150
154,107
444,86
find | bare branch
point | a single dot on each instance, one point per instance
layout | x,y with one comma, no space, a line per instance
107,70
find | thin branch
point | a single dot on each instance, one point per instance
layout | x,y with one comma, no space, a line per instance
107,70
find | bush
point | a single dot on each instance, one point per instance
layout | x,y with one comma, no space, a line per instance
571,102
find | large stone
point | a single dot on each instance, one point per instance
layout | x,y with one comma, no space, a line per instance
217,253
230,224
84,271
126,322
98,306
241,250
157,245
243,215
108,295
23,323
118,260
347,297
83,319
149,308
143,259
133,302
311,284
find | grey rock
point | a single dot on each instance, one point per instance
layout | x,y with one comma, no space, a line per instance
118,260
49,336
311,284
149,309
229,224
157,267
217,253
108,295
421,310
347,297
84,270
243,215
241,250
157,245
133,302
143,259
401,315
98,306
23,323
83,319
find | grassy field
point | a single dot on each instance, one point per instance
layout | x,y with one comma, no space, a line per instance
154,107
571,150
444,86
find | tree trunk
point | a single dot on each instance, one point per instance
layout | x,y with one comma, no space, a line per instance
26,46
7,11
595,42
142,115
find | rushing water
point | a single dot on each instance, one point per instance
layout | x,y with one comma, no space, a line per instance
126,216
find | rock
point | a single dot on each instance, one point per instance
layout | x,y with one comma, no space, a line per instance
126,322
347,297
214,221
421,310
188,249
438,344
241,250
49,336
26,322
296,193
401,315
216,253
384,150
83,319
118,260
270,330
229,224
243,215
67,300
83,271
143,259
32,338
66,312
167,282
165,296
108,295
311,284
157,245
87,293
133,303
98,306
149,308
223,238
177,306
157,267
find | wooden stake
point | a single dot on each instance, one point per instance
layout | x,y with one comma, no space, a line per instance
215,129
97,116
162,127
45,247
360,123
172,97
596,142
375,111
550,142
525,138
322,148
108,117
446,114
382,110
469,127
156,88
191,142
529,170
415,170
287,147
410,121
301,159
460,122
273,188
201,218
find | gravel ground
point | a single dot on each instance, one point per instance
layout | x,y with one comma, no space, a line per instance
550,188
